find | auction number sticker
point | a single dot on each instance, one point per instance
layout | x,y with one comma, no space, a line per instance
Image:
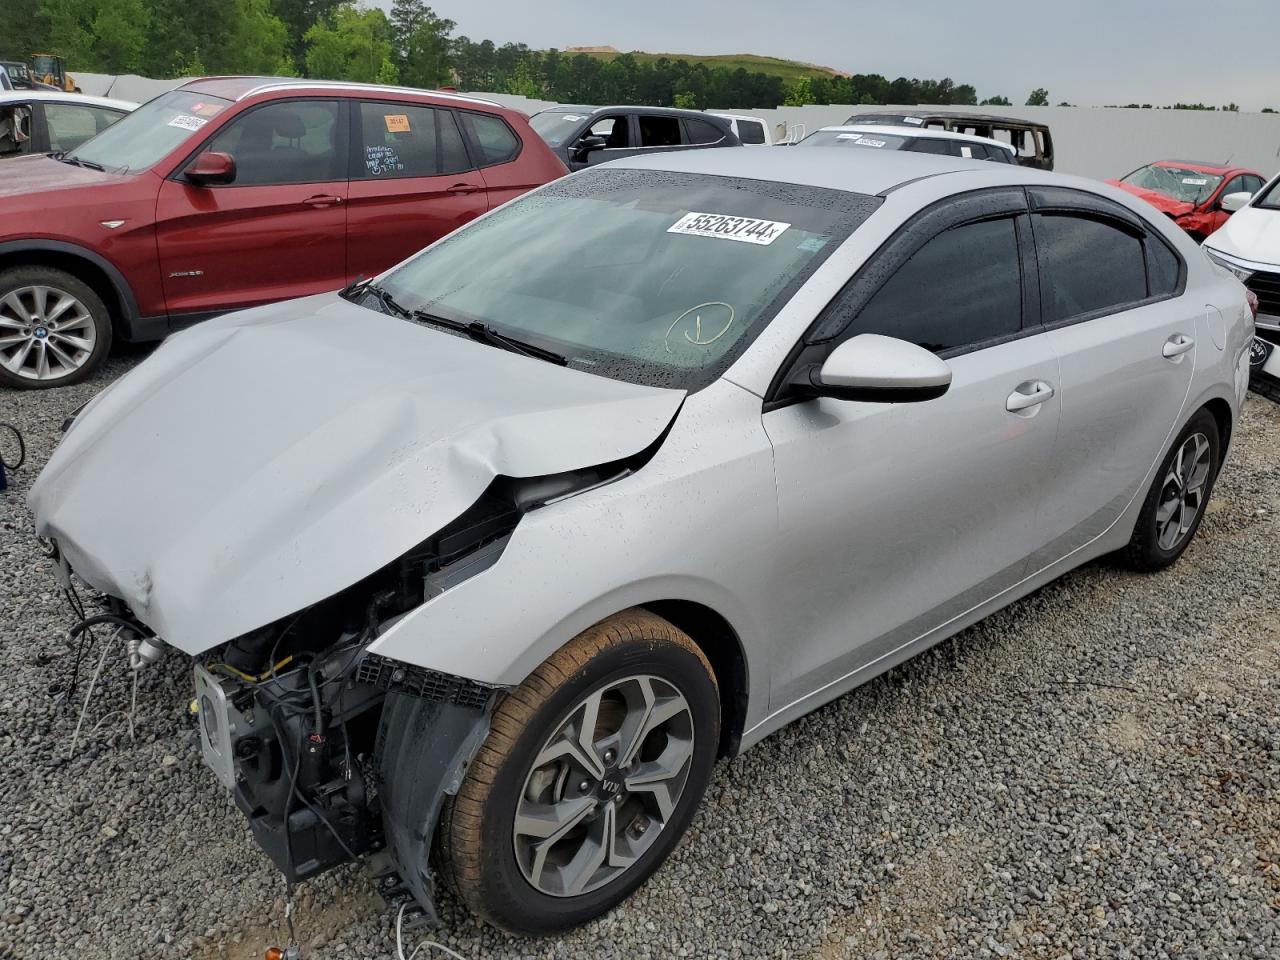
1195,181
861,141
188,122
724,227
914,121
397,123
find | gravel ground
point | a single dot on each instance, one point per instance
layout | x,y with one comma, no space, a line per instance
1093,772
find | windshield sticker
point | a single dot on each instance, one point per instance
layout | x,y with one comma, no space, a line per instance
1194,181
380,159
397,123
862,141
914,121
573,117
206,109
724,227
188,122
966,152
811,244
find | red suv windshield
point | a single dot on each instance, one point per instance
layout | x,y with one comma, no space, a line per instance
150,132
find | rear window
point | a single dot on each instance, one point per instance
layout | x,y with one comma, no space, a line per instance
838,138
751,131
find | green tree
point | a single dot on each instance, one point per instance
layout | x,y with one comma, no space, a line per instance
799,93
685,100
1039,98
522,82
298,16
255,41
106,36
349,44
996,102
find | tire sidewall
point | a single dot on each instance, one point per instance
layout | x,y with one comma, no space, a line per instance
508,894
1152,555
22,276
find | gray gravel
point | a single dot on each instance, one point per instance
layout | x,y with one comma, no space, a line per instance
1094,772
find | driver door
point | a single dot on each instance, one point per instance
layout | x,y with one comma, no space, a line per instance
898,518
616,129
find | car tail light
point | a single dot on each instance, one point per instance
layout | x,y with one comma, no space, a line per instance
1252,299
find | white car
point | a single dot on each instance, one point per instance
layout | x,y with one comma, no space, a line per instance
49,121
913,139
496,553
752,131
1248,245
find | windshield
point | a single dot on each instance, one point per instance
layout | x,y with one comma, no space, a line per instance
554,126
1269,198
837,138
643,275
1181,183
150,132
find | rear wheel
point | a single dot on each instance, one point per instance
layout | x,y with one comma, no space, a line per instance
1179,493
54,330
591,772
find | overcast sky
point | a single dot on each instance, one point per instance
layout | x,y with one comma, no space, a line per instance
1086,52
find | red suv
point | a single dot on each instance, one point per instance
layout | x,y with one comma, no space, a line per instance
234,191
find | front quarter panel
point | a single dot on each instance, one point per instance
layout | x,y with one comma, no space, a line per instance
689,525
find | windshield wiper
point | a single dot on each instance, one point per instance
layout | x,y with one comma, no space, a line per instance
77,162
487,334
389,303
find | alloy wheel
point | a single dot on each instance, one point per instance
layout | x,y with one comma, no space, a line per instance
603,786
1183,491
45,333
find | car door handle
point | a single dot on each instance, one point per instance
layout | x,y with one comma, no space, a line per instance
461,189
322,201
1177,345
1028,395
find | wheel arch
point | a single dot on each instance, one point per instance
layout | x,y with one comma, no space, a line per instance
95,270
1221,411
717,639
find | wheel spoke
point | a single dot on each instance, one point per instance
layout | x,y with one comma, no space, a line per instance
662,778
591,855
76,343
9,323
39,303
550,821
60,355
61,306
13,341
42,361
12,301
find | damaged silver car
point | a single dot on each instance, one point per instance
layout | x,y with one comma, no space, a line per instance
491,557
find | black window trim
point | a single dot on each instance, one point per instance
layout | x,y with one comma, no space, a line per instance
688,140
342,146
1068,201
957,210
474,150
355,162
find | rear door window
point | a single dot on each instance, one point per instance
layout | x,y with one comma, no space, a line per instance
659,131
1087,266
751,131
407,140
700,131
961,288
15,130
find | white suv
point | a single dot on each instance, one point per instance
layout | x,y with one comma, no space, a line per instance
752,131
1248,245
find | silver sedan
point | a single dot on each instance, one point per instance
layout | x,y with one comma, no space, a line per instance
497,553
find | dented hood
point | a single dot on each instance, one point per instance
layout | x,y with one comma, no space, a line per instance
1161,201
261,462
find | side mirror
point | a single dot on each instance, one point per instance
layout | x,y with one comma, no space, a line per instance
877,369
212,167
1232,202
591,142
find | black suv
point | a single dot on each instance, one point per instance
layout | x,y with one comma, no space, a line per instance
1032,140
585,136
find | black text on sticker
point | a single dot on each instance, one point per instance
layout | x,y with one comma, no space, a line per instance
724,227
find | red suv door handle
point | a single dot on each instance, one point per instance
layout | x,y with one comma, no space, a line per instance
322,201
464,188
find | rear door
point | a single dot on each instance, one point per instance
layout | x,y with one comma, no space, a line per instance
278,231
1125,341
412,182
497,150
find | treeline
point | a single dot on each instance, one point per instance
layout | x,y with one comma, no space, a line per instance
346,40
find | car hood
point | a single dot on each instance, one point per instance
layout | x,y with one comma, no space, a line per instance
1161,201
1250,233
25,176
259,463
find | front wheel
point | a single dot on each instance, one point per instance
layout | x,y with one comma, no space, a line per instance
54,329
1179,493
592,770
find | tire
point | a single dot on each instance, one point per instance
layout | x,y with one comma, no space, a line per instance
493,867
1265,385
1151,547
54,329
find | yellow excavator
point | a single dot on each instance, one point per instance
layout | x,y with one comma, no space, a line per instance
51,69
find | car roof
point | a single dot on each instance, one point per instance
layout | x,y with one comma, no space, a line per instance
873,129
867,172
57,96
953,115
238,88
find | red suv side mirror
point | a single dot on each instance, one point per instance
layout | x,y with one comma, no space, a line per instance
212,167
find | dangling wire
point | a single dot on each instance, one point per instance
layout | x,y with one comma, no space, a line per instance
429,944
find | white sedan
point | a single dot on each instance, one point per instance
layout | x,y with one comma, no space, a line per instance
913,139
48,121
